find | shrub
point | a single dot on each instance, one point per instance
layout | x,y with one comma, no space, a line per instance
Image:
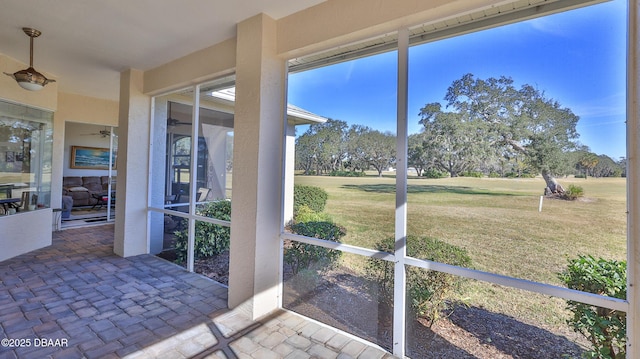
306,280
493,174
604,328
433,173
474,174
306,214
519,175
210,239
580,175
300,255
347,173
573,192
427,290
313,197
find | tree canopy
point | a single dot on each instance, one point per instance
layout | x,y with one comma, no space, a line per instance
492,118
322,147
485,126
332,146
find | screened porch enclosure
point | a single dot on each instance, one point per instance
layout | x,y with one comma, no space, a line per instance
215,146
417,179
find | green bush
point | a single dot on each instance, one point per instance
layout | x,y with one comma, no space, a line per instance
347,173
573,192
210,239
428,291
604,328
493,174
313,197
475,174
306,280
519,175
433,173
306,214
301,255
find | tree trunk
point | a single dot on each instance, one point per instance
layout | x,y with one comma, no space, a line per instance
553,187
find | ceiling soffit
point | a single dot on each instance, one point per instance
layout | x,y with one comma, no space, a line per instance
486,18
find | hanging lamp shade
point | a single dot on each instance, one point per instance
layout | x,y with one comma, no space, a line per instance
30,79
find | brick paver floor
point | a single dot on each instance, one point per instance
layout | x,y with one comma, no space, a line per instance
76,299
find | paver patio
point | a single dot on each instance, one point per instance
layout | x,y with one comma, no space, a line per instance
76,299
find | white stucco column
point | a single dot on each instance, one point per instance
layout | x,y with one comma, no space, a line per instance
130,237
158,173
257,175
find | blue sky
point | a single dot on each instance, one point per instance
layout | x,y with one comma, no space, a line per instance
575,57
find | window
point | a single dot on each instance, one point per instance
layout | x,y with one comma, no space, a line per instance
191,182
26,140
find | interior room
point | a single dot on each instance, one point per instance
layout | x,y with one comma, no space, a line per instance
96,204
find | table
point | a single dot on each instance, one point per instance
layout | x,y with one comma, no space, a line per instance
8,188
8,203
103,198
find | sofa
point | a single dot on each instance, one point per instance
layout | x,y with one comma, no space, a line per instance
83,189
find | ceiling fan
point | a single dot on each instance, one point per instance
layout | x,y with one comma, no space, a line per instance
30,79
102,133
172,122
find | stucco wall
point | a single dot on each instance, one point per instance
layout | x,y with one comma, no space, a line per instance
214,61
78,108
25,232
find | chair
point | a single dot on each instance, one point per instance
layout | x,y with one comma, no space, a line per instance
203,192
183,201
6,188
28,198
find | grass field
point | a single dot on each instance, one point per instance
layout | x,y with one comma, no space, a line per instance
497,221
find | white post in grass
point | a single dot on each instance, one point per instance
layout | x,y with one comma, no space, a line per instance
540,205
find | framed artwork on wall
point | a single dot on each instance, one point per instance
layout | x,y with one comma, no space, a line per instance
93,158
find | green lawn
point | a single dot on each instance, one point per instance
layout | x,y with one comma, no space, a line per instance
497,221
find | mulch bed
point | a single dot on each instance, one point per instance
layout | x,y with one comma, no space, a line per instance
342,299
216,268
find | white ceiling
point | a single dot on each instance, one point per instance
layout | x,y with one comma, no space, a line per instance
86,44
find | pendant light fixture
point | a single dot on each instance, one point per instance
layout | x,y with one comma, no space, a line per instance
30,79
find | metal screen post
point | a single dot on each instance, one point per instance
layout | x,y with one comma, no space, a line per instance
193,177
633,180
399,282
